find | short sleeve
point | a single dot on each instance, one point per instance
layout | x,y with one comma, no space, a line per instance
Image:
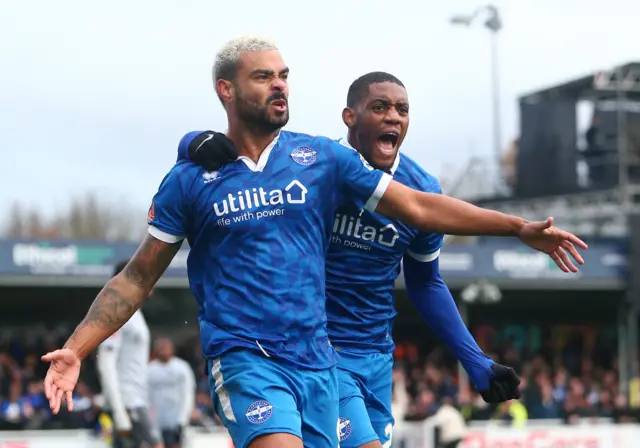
359,181
425,247
113,342
168,214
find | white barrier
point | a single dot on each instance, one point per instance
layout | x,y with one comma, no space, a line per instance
49,439
421,435
84,439
214,440
409,435
592,436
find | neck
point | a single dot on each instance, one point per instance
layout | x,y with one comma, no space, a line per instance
353,140
249,143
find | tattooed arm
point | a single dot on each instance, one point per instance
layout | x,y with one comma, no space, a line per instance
123,295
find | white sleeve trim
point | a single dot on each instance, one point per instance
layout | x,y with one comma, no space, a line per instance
424,258
373,201
164,236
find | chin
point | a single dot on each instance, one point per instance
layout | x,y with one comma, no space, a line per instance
275,123
280,120
384,161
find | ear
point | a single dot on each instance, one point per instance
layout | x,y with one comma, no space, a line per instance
349,117
225,90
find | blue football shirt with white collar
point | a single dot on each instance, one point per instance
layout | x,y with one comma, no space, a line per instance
364,261
259,234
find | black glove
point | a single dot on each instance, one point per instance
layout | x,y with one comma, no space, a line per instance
212,150
503,385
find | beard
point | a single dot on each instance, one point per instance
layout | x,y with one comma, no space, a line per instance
257,116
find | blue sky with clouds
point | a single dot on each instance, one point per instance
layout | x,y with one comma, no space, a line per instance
95,95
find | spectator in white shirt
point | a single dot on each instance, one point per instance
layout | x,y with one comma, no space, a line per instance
172,388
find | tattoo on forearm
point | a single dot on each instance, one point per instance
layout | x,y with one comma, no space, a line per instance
149,262
122,297
111,309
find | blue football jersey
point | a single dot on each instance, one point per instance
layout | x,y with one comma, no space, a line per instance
363,262
258,236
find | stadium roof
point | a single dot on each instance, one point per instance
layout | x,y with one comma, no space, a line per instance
602,84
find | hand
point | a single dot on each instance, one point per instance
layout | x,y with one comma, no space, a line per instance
61,377
212,150
543,237
503,385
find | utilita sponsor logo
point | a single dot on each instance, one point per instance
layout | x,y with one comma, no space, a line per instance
351,227
255,198
251,204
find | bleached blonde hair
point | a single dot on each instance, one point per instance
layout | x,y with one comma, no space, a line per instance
226,62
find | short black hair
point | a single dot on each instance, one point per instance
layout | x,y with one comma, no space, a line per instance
360,87
119,267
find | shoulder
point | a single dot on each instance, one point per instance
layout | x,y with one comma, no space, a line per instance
413,175
184,176
312,148
316,142
297,141
186,169
293,138
183,365
180,362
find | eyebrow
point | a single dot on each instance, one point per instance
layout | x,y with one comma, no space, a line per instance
264,71
386,101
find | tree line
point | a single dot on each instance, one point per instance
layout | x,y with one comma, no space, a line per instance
86,217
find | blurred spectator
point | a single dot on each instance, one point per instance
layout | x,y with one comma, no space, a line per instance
546,406
22,401
172,388
513,413
571,385
423,406
450,424
622,413
399,400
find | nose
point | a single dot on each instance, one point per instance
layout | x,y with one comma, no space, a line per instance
278,84
392,116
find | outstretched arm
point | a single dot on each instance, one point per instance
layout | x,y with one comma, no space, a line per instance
431,212
123,295
438,213
434,302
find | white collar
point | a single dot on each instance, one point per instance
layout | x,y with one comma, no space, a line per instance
262,161
345,142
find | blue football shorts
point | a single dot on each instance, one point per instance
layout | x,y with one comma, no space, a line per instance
255,395
365,382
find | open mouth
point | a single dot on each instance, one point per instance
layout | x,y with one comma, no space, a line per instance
279,105
387,141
